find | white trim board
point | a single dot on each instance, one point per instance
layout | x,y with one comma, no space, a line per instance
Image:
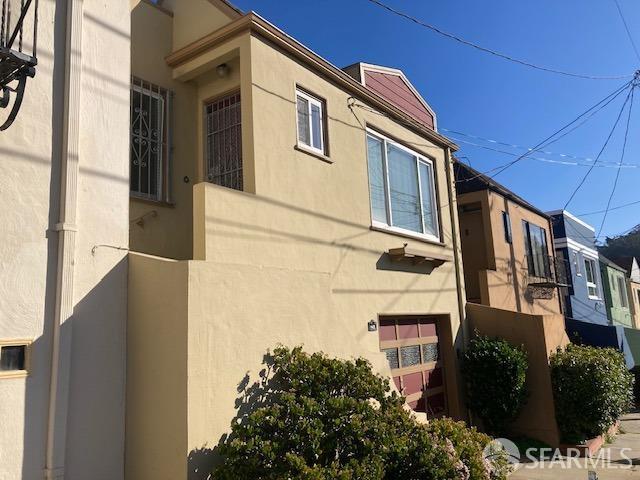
572,217
569,243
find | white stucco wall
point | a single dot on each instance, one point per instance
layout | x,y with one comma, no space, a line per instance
30,158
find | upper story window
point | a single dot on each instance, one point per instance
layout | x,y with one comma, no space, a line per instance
506,223
402,188
224,141
149,132
311,122
591,277
622,291
535,242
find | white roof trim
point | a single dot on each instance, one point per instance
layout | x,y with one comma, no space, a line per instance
572,244
399,73
572,217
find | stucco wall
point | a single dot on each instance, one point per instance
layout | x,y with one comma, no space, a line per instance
503,281
157,368
30,173
540,335
634,296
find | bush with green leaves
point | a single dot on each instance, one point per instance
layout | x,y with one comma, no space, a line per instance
592,388
320,418
495,373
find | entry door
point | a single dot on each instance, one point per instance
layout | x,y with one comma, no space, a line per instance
413,352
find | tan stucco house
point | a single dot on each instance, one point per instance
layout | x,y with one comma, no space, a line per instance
512,280
276,198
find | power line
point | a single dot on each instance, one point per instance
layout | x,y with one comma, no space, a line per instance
613,129
626,27
611,209
554,137
521,147
490,51
624,148
549,160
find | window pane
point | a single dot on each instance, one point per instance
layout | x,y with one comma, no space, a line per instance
376,179
392,357
588,268
430,352
12,357
316,125
403,187
623,292
428,208
304,134
410,355
506,223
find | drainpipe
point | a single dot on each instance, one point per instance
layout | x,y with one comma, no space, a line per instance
453,213
66,233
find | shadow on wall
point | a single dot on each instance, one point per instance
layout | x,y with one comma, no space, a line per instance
251,397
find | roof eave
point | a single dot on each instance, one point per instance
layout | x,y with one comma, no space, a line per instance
254,23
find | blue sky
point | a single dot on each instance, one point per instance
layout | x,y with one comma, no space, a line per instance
485,96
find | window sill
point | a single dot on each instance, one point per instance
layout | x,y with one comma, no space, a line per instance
14,374
148,201
597,299
313,153
407,234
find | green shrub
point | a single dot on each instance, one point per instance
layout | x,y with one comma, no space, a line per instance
325,419
469,445
592,389
495,374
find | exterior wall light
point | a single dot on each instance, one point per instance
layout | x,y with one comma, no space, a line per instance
372,326
223,70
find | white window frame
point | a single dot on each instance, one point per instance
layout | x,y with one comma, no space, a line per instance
593,285
622,294
311,100
419,159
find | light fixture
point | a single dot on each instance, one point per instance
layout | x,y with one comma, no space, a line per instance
373,326
223,70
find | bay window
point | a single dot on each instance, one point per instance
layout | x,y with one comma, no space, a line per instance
402,188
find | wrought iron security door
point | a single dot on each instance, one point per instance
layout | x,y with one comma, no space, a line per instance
18,44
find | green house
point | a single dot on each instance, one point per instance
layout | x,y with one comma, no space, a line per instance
614,281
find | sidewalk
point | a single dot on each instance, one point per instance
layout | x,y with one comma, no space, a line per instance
617,468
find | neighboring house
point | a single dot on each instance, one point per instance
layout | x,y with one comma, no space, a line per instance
616,293
507,248
63,263
276,199
630,264
575,245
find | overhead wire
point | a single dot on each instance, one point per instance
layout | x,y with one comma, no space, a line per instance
613,129
626,27
624,148
491,51
619,207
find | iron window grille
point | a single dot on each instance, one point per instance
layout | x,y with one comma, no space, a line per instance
18,50
223,143
150,135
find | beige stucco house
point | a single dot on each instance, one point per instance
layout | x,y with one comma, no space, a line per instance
276,199
63,271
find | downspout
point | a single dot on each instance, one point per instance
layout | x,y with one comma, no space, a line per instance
66,230
453,213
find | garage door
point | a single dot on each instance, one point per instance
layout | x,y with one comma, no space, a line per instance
413,352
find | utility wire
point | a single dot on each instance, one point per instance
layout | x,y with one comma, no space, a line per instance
521,147
637,202
554,136
613,129
549,160
490,51
626,27
624,148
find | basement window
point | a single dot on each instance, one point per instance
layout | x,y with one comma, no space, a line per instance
13,359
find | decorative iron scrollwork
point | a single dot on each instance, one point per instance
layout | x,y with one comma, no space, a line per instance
16,65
